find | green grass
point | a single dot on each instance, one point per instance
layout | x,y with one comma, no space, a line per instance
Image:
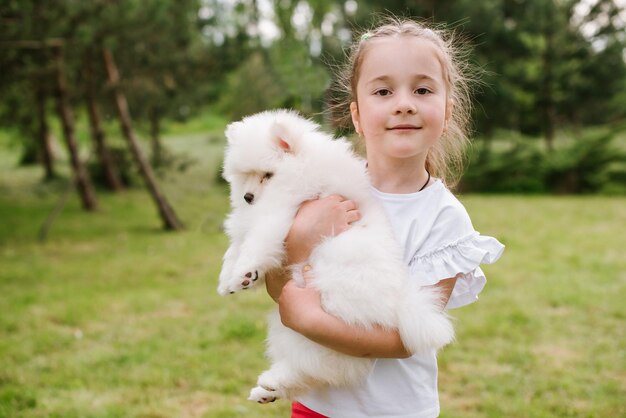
112,317
547,338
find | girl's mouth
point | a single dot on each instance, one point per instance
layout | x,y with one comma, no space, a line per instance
404,127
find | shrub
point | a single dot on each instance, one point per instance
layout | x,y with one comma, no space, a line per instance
591,163
516,169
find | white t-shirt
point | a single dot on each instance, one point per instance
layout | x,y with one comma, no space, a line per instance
439,242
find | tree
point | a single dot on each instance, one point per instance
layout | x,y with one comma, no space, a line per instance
168,216
107,162
81,177
157,47
84,26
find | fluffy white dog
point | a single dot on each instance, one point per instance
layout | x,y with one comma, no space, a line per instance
274,161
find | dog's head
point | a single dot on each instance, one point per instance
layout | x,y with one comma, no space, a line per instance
256,147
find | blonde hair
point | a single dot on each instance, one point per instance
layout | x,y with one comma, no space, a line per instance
445,159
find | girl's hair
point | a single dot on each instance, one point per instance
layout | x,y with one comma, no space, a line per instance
445,159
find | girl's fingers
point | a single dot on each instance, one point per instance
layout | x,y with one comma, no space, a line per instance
348,205
307,274
353,216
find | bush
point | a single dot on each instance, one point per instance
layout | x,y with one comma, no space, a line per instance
516,169
589,164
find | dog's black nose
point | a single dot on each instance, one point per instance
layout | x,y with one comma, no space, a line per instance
248,197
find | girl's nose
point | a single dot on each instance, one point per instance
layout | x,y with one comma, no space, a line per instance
405,103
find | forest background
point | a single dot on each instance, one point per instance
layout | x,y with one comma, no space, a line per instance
112,108
548,71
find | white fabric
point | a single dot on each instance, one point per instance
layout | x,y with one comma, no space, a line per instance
440,242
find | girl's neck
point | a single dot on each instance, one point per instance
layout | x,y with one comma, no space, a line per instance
398,177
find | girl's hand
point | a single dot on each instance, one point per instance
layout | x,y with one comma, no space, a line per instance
315,220
299,306
275,280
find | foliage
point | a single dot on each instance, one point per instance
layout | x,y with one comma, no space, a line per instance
156,46
589,163
592,163
545,66
515,169
283,76
302,77
114,318
251,88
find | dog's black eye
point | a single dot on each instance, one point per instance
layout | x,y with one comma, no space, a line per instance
266,177
248,197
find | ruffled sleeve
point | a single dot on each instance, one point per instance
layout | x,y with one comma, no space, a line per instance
460,259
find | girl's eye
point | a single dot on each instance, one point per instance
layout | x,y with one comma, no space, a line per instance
383,92
266,177
422,90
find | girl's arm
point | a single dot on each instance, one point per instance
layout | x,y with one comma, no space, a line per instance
300,308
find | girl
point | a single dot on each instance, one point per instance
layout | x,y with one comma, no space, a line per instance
409,101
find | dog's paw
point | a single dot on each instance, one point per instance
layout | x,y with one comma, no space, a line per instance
249,278
262,395
239,281
245,279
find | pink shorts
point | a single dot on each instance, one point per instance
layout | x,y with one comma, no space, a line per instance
300,411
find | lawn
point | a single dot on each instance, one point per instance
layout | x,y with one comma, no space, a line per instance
113,317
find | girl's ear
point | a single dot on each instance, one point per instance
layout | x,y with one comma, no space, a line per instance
449,109
356,118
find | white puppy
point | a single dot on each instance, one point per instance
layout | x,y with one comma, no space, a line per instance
274,161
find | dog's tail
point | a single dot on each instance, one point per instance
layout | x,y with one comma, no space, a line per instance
422,323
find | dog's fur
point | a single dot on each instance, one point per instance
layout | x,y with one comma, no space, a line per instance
274,161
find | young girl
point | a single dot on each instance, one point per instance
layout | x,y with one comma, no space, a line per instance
409,101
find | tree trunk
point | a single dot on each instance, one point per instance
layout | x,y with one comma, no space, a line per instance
107,163
43,134
170,221
155,140
81,177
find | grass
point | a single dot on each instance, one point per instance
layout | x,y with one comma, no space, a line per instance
112,317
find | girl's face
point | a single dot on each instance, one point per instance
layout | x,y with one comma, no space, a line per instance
402,106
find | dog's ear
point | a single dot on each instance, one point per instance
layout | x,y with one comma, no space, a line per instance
283,138
282,144
231,131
